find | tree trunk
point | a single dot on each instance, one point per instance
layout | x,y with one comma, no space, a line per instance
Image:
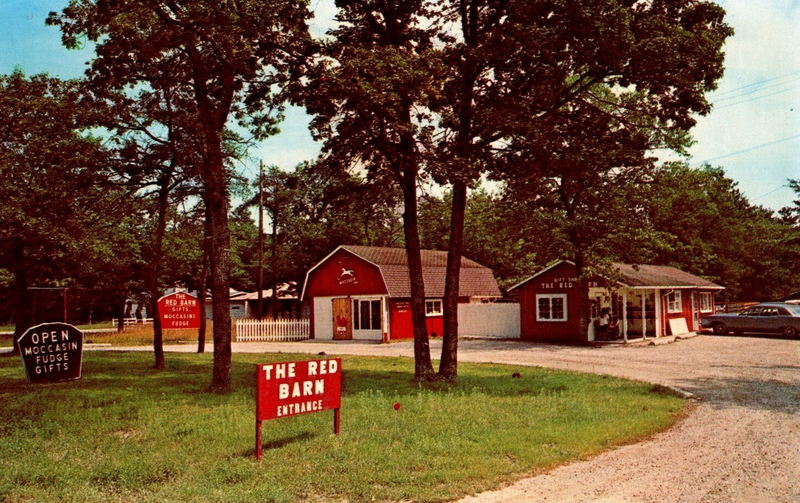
448,366
22,312
216,200
201,299
155,271
274,259
260,274
423,368
585,308
123,313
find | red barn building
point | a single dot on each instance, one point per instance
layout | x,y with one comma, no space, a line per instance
645,301
363,292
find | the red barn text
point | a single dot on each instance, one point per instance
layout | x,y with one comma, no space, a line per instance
179,310
291,388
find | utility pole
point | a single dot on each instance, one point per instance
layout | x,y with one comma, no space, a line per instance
260,277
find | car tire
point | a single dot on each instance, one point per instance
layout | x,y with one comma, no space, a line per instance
789,332
719,328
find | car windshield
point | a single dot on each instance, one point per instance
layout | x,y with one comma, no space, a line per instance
795,310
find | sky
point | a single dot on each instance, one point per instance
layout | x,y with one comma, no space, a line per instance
753,131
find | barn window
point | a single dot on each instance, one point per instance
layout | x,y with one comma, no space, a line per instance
433,308
674,304
551,307
706,302
366,314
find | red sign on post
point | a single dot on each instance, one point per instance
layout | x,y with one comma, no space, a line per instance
179,310
290,388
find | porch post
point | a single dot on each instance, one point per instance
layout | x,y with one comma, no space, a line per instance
625,315
644,314
659,331
385,335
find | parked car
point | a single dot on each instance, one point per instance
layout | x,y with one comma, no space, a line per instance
769,317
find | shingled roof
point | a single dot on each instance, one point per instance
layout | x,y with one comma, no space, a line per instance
660,276
645,276
475,280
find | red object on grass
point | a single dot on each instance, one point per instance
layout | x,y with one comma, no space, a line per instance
397,406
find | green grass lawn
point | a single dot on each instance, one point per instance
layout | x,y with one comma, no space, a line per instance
126,432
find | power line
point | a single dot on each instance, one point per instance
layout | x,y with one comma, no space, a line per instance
737,89
776,189
754,98
717,98
750,149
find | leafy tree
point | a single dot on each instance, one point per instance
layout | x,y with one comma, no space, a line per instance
791,214
372,87
635,77
231,57
310,211
708,227
497,233
55,178
157,146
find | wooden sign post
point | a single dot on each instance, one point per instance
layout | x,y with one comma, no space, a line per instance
51,352
292,388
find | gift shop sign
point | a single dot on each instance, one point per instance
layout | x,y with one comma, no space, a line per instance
292,388
179,310
51,352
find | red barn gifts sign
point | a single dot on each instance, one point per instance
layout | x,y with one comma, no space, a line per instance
179,310
291,388
51,352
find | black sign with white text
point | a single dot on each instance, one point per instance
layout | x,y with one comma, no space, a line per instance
51,352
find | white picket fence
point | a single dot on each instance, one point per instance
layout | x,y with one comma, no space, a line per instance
128,322
268,330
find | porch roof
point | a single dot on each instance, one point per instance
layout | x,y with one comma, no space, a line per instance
660,276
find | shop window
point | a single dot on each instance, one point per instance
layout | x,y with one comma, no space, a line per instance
674,303
706,302
433,308
551,307
366,314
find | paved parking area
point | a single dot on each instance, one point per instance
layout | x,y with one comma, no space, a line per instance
741,443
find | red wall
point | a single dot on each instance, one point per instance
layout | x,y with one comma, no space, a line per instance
327,280
400,320
559,279
686,308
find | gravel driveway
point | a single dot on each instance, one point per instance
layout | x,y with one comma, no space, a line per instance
741,443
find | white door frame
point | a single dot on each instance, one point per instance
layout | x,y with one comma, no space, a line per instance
369,334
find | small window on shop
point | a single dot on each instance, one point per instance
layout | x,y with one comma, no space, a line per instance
551,307
674,304
706,302
433,308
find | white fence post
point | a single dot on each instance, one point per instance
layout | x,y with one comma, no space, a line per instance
280,330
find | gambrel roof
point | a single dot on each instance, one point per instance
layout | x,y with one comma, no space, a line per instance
475,280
